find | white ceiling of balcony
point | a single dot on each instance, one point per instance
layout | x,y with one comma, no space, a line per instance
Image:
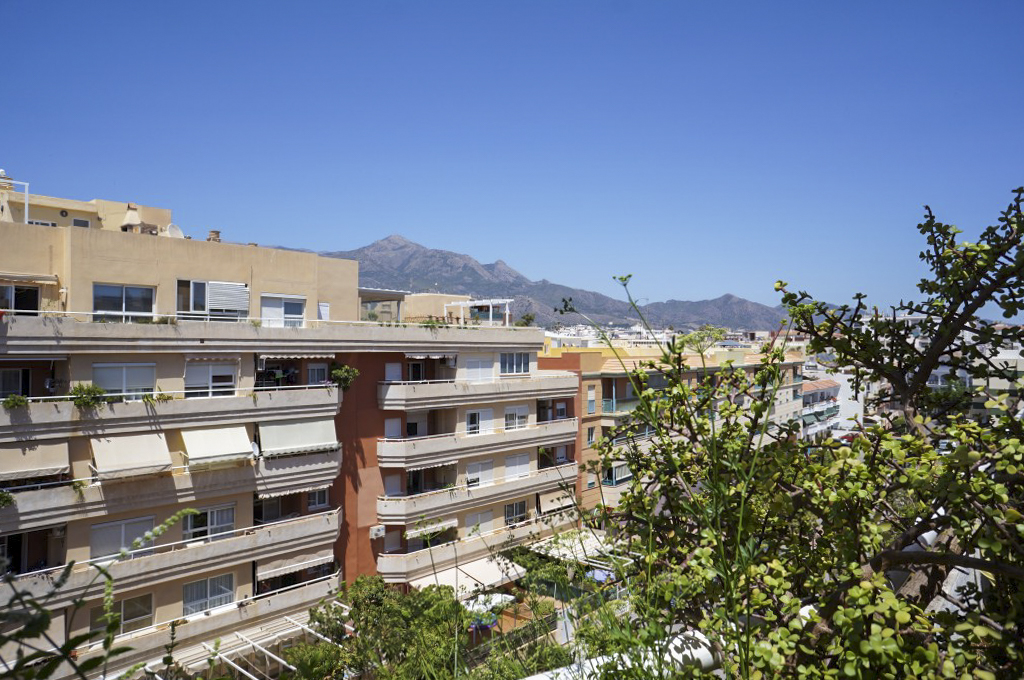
293,562
298,436
473,576
216,445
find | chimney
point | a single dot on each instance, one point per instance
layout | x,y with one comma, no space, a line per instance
214,236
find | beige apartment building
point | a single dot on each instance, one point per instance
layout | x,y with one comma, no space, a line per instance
608,395
214,361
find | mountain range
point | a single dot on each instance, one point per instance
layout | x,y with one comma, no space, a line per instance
398,263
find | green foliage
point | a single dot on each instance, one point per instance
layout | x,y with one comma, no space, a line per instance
87,396
526,319
6,498
343,376
320,660
829,559
13,401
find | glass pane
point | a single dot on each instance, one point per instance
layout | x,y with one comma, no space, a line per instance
136,607
194,596
6,297
138,300
26,298
107,298
199,296
184,296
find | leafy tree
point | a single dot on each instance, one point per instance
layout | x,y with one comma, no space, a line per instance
526,319
883,557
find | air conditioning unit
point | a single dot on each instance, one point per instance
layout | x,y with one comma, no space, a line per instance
57,532
377,531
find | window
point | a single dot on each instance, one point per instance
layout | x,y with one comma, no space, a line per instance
266,510
561,455
478,421
110,538
132,380
560,411
515,362
515,513
204,379
20,299
393,540
14,381
278,311
479,370
80,222
43,223
316,374
591,480
215,591
480,473
591,434
317,500
416,371
517,465
479,522
192,299
134,613
617,474
591,399
122,303
212,300
209,523
516,417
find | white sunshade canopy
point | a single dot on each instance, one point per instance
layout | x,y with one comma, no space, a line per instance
293,562
286,437
555,500
430,527
466,579
33,459
42,279
130,455
215,445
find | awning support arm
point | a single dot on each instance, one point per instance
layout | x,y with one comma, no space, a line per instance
267,652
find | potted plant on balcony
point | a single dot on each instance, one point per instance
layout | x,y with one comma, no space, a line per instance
343,376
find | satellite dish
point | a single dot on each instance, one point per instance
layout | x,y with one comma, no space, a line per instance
174,231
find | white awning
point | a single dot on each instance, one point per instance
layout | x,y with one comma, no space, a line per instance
429,356
413,468
42,279
466,579
34,459
297,355
219,358
287,491
424,527
130,455
555,500
294,562
284,437
214,445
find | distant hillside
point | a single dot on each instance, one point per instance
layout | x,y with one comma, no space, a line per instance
396,262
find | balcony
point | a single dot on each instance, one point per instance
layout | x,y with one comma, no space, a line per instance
58,417
176,561
63,333
440,448
44,505
618,407
404,567
411,396
448,502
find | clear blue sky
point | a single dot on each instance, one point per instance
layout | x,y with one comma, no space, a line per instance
703,147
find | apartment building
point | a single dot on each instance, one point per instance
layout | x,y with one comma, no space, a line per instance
609,397
214,362
820,413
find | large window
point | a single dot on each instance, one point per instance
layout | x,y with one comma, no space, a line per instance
277,311
215,591
515,362
212,300
204,379
266,510
134,613
316,374
317,500
517,465
14,381
122,303
479,522
19,299
110,538
480,473
516,417
132,380
515,513
478,422
210,522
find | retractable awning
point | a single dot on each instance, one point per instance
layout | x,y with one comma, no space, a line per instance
556,500
263,492
414,468
293,562
208,446
130,455
466,579
41,279
430,356
430,527
297,355
33,459
285,437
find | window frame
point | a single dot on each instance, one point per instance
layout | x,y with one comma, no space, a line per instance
521,416
12,295
317,505
317,367
479,468
23,377
98,622
514,363
87,225
211,389
122,316
591,399
209,601
122,523
518,457
123,390
591,435
212,532
516,517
